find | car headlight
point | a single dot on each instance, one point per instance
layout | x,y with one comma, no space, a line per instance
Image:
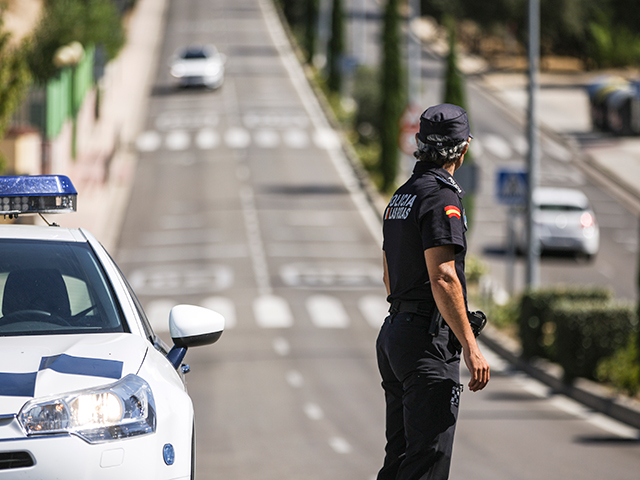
119,410
178,71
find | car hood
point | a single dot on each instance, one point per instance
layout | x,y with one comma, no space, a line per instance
38,366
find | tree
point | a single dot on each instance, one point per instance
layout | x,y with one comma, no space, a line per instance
336,47
90,22
14,77
393,95
311,20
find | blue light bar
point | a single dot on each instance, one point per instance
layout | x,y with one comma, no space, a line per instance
37,194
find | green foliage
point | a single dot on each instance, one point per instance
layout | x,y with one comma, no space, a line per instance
309,36
474,269
454,88
622,369
393,100
336,47
366,94
90,22
14,77
537,331
587,332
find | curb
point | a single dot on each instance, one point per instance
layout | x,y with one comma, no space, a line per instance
588,393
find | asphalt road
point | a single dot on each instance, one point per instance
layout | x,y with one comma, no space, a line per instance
243,202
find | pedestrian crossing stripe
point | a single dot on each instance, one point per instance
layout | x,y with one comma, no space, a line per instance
236,138
274,312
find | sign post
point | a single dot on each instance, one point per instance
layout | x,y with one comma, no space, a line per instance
512,190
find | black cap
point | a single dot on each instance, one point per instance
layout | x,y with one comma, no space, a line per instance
445,120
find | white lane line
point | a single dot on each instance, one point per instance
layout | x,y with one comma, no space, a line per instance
224,307
207,139
272,312
158,314
313,411
295,379
266,138
327,312
340,445
281,346
237,137
374,309
149,141
254,237
177,140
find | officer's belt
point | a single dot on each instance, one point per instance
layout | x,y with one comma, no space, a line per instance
407,306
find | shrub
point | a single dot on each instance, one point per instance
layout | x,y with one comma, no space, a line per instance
537,335
622,369
587,332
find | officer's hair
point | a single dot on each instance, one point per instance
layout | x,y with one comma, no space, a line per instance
439,155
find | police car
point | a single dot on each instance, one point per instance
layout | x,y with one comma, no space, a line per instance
87,390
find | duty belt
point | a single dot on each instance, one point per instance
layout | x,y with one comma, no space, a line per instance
407,306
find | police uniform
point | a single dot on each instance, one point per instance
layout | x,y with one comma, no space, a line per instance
418,361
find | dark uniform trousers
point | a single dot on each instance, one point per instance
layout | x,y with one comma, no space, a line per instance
420,377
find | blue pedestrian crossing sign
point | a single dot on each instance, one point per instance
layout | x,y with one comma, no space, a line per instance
511,187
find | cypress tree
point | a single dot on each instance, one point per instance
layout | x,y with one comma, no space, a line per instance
392,95
336,47
311,20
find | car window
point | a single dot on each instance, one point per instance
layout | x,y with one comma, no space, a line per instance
192,54
51,287
560,208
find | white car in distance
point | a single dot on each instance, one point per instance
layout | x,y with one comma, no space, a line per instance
198,65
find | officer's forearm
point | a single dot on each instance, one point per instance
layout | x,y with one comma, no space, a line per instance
385,274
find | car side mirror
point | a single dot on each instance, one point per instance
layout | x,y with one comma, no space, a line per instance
192,326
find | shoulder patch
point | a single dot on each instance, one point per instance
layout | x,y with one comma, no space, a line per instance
452,211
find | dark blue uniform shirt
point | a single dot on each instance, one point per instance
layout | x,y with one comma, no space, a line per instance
425,212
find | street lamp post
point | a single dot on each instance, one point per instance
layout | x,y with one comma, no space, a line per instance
533,160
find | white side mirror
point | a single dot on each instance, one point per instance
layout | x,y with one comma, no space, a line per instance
192,326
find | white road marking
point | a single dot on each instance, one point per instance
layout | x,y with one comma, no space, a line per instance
272,312
266,138
295,379
177,140
258,256
327,312
237,138
158,314
207,138
313,411
340,445
224,307
149,141
326,138
295,138
281,346
374,309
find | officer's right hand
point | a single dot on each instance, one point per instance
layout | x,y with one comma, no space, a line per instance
478,367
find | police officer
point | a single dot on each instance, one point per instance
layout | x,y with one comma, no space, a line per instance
420,342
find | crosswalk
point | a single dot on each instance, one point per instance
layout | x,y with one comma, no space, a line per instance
209,138
274,312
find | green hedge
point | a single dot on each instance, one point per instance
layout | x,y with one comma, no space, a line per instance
536,329
587,332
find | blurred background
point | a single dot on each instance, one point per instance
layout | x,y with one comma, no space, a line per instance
238,154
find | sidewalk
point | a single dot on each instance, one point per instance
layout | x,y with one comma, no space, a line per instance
103,178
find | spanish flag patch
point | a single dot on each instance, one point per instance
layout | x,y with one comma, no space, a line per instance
452,211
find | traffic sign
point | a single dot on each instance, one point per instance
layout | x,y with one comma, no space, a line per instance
512,187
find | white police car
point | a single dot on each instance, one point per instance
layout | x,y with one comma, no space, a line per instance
87,390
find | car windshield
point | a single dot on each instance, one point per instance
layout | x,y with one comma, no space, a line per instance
51,287
194,54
